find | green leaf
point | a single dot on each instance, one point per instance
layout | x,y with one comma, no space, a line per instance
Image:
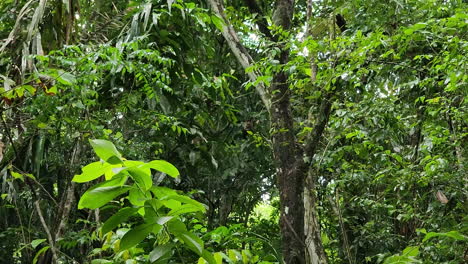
210,259
37,242
102,193
411,251
141,177
163,166
65,78
135,236
162,192
41,252
93,171
17,175
452,234
137,197
217,256
186,200
162,251
101,261
176,227
184,209
119,217
193,242
106,151
218,22
163,219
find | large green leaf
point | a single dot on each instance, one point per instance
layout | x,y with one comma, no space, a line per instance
185,199
184,209
162,192
137,197
176,227
193,242
160,252
119,217
106,151
93,171
135,236
163,166
97,197
141,177
41,252
208,257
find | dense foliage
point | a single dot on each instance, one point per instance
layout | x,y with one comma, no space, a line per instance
355,112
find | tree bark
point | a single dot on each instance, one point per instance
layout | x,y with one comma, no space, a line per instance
315,253
289,174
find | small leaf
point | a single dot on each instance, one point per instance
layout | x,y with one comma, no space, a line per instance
119,217
137,197
162,192
411,251
66,78
17,175
218,22
37,242
135,236
101,261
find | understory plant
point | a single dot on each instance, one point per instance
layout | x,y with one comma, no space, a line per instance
149,225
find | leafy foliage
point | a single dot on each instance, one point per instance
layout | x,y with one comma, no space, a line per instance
158,80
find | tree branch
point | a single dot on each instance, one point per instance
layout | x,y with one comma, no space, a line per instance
319,127
47,230
239,51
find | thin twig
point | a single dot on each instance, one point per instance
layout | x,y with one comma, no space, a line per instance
47,230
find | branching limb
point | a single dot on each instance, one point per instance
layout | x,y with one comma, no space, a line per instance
239,50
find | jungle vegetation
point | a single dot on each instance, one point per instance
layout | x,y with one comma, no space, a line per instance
242,131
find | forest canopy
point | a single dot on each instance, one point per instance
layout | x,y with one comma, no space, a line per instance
242,131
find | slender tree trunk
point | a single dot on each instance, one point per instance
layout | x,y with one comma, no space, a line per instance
50,239
315,253
68,197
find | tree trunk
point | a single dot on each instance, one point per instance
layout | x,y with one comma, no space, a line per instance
289,174
287,152
287,155
315,253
